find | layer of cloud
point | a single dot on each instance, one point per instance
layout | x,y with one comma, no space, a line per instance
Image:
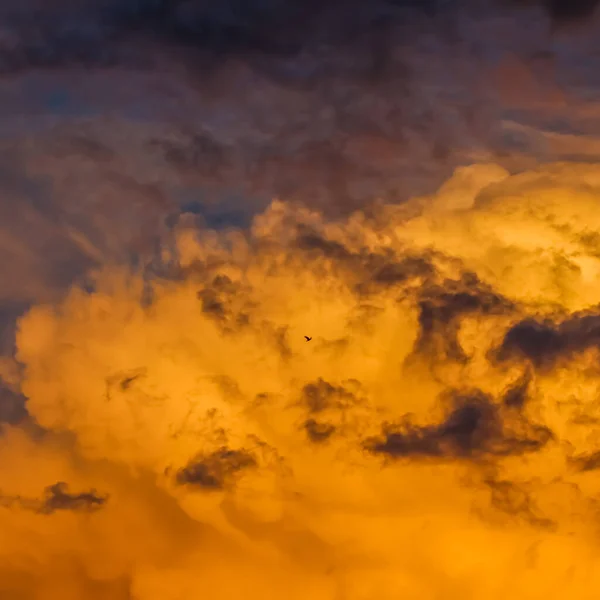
433,439
182,437
117,115
98,33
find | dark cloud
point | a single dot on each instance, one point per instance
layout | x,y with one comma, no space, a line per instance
12,406
323,403
475,428
386,270
80,145
200,152
539,342
562,11
517,394
99,32
226,303
441,308
410,267
590,462
442,303
58,498
570,10
126,382
369,271
219,300
214,471
63,32
211,304
122,382
321,395
516,500
543,343
316,244
318,431
586,462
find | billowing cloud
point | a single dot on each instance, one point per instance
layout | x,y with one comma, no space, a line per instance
433,439
116,114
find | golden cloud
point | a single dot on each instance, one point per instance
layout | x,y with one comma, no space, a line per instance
435,438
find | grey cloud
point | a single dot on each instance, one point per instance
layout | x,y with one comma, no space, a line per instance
57,497
216,470
544,342
366,270
218,298
12,406
475,428
318,431
64,32
586,462
325,406
516,395
321,395
516,501
200,152
441,307
566,11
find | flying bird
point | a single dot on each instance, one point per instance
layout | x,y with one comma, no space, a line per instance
307,338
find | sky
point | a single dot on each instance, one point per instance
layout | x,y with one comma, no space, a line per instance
189,188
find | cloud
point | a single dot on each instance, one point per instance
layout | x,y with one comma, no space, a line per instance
544,343
442,307
56,498
568,11
326,405
117,115
99,33
213,471
475,428
394,453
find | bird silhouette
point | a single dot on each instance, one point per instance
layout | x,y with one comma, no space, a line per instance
307,338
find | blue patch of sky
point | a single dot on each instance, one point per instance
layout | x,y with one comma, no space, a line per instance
61,102
231,207
53,99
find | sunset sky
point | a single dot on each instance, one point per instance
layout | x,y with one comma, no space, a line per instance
189,188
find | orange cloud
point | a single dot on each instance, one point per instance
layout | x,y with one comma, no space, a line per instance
434,439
